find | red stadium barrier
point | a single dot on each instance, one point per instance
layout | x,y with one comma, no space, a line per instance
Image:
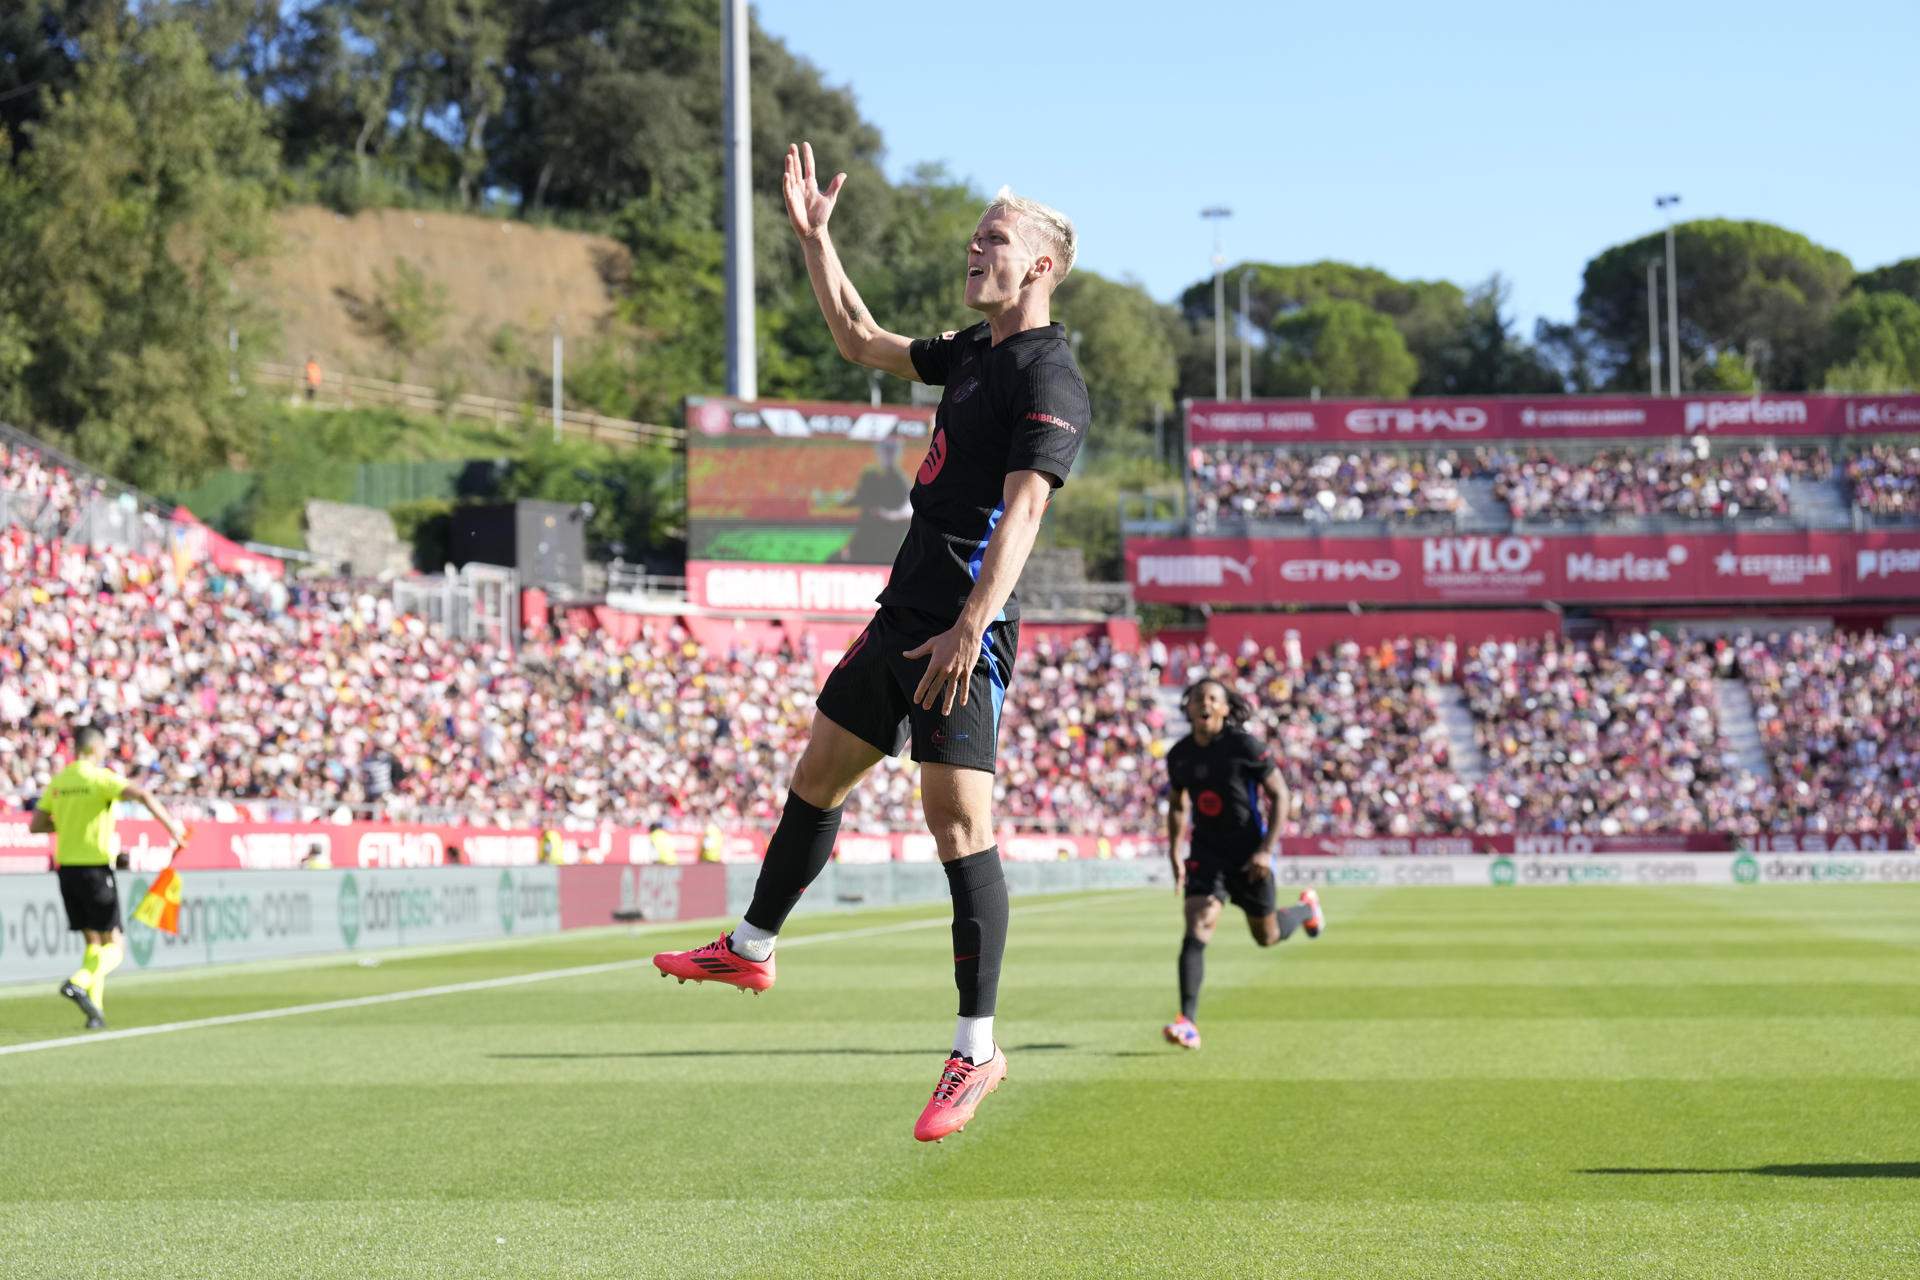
264,846
1538,421
1526,568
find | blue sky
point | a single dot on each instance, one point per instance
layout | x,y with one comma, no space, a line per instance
1430,140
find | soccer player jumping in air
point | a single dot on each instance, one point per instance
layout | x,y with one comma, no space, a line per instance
932,666
1221,771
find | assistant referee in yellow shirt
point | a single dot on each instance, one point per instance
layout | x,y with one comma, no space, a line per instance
77,809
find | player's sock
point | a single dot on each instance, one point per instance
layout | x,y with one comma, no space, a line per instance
799,849
89,966
979,930
973,1039
750,941
1193,969
111,953
1292,918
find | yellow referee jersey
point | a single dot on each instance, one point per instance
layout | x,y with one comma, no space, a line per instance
80,798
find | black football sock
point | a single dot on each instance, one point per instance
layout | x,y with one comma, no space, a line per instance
979,929
796,854
1193,970
1292,918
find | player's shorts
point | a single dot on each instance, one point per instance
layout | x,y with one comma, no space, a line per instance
93,902
870,694
1224,876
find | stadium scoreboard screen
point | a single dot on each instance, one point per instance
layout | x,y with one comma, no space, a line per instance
819,491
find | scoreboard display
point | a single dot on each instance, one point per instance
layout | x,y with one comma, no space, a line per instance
800,484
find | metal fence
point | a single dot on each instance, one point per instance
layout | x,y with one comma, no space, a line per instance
348,389
478,602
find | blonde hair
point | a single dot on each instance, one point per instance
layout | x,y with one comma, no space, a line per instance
1046,228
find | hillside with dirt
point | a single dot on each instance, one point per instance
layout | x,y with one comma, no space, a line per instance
439,299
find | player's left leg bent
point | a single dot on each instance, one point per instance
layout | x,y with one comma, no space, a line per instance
1268,925
859,718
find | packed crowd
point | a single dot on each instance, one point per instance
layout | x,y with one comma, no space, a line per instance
1886,480
1235,483
1238,483
309,700
1609,737
1839,717
1681,480
1356,731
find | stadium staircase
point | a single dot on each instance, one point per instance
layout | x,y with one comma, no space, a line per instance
1485,512
1822,504
1739,729
1463,744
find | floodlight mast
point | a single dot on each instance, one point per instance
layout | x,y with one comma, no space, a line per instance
743,376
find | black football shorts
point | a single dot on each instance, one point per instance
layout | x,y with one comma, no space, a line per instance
1224,876
870,694
91,898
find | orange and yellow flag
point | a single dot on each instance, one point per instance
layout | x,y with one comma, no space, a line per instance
160,909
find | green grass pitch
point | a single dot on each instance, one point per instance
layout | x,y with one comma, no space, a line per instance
1486,1082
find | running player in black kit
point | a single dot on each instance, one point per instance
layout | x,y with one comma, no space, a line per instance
932,666
1223,771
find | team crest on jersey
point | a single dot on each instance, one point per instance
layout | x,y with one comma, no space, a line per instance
965,389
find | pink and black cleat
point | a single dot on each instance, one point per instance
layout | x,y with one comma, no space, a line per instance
1182,1032
716,962
1318,920
962,1085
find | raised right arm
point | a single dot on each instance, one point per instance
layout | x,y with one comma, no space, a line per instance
855,334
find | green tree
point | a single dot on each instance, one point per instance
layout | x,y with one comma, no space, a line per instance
1485,356
1338,349
1874,344
144,188
1123,342
40,43
1750,287
1430,314
1895,277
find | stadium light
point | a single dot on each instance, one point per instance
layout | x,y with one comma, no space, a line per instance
1653,326
1216,214
743,376
1246,339
1664,203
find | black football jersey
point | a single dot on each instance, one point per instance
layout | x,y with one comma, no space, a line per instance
1223,778
1018,406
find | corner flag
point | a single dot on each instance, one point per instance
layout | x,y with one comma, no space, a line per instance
160,909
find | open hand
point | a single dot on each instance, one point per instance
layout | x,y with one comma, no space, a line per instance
950,658
1260,867
808,207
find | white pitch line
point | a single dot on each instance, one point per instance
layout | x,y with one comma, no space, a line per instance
456,988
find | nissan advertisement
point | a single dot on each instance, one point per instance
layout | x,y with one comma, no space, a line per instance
1526,568
798,484
1456,422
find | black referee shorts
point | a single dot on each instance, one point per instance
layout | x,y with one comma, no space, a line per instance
870,694
92,900
1213,874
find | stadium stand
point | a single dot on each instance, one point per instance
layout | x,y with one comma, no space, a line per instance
267,699
1885,479
1242,483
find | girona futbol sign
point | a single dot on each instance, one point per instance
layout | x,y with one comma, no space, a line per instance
1543,419
1526,569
